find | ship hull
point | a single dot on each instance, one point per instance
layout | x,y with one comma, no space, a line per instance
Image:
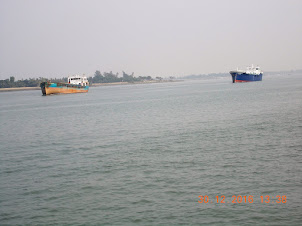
245,77
57,88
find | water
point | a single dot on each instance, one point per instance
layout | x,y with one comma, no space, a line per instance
142,154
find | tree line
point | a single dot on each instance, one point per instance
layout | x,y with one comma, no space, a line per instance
31,82
106,77
109,77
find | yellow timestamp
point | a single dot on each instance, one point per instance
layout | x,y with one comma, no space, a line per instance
242,199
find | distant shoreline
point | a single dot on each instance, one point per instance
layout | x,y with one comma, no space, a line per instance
18,89
132,83
93,85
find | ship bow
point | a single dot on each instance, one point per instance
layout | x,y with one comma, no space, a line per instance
43,88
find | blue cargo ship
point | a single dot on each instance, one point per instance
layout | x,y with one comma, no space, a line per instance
251,74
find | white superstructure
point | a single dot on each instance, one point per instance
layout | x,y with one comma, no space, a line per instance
253,70
78,80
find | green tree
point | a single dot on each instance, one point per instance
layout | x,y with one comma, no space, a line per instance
98,77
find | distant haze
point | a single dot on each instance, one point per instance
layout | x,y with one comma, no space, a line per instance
58,38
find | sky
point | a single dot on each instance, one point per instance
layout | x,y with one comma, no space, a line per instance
57,38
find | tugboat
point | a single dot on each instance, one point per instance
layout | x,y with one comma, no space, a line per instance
251,74
76,84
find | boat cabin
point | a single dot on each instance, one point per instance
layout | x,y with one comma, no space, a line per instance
253,70
78,80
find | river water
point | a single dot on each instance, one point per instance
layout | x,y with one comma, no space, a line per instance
145,154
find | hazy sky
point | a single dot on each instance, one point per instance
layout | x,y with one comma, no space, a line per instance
56,38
